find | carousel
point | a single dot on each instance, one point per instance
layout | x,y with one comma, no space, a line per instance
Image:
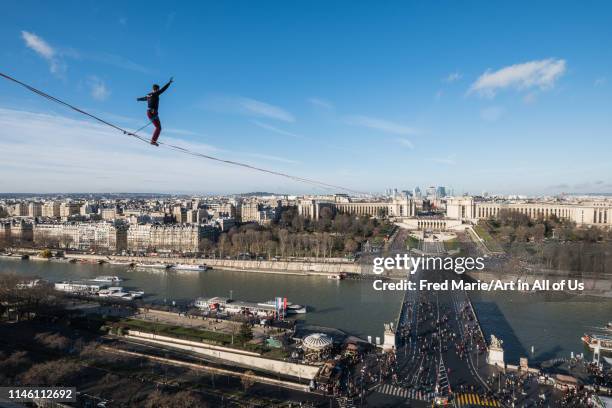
317,346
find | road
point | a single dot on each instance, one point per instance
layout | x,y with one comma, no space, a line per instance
440,347
398,243
433,247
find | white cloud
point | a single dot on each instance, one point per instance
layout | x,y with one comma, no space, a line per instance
405,142
114,60
450,160
260,108
248,107
38,44
601,81
272,158
540,74
276,130
44,50
492,113
294,135
56,56
183,132
321,103
99,91
85,156
453,77
379,124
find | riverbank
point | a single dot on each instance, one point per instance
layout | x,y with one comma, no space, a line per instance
306,268
349,304
551,324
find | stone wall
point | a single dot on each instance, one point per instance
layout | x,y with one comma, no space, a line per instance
239,357
299,267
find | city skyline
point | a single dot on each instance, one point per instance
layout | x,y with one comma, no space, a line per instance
392,96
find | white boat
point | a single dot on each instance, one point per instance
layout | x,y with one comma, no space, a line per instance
232,307
77,287
136,294
107,279
122,295
188,267
336,276
30,284
110,292
153,265
291,308
295,309
10,255
117,292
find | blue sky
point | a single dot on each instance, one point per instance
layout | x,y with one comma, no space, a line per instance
507,97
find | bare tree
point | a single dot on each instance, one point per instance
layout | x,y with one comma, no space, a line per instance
57,372
247,380
182,399
54,341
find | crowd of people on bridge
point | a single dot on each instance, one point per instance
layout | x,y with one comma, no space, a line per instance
428,330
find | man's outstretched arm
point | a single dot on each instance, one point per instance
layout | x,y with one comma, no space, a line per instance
141,99
163,88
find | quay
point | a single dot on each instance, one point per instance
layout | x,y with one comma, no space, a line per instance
296,267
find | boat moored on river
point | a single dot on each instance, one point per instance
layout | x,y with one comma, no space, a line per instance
107,279
11,255
117,292
268,309
153,266
295,309
80,287
190,267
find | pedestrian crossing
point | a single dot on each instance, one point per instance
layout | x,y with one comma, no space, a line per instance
344,402
467,400
474,400
405,393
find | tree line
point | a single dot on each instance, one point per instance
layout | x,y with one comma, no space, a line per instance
511,226
293,235
553,243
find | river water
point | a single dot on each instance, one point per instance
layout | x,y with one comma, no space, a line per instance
553,326
349,305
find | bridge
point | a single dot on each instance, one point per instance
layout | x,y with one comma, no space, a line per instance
440,351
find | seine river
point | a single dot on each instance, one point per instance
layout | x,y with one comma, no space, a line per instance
552,326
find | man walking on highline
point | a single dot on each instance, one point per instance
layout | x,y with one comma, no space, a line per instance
152,106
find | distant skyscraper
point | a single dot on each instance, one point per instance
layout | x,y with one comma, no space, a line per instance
416,193
391,192
441,191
